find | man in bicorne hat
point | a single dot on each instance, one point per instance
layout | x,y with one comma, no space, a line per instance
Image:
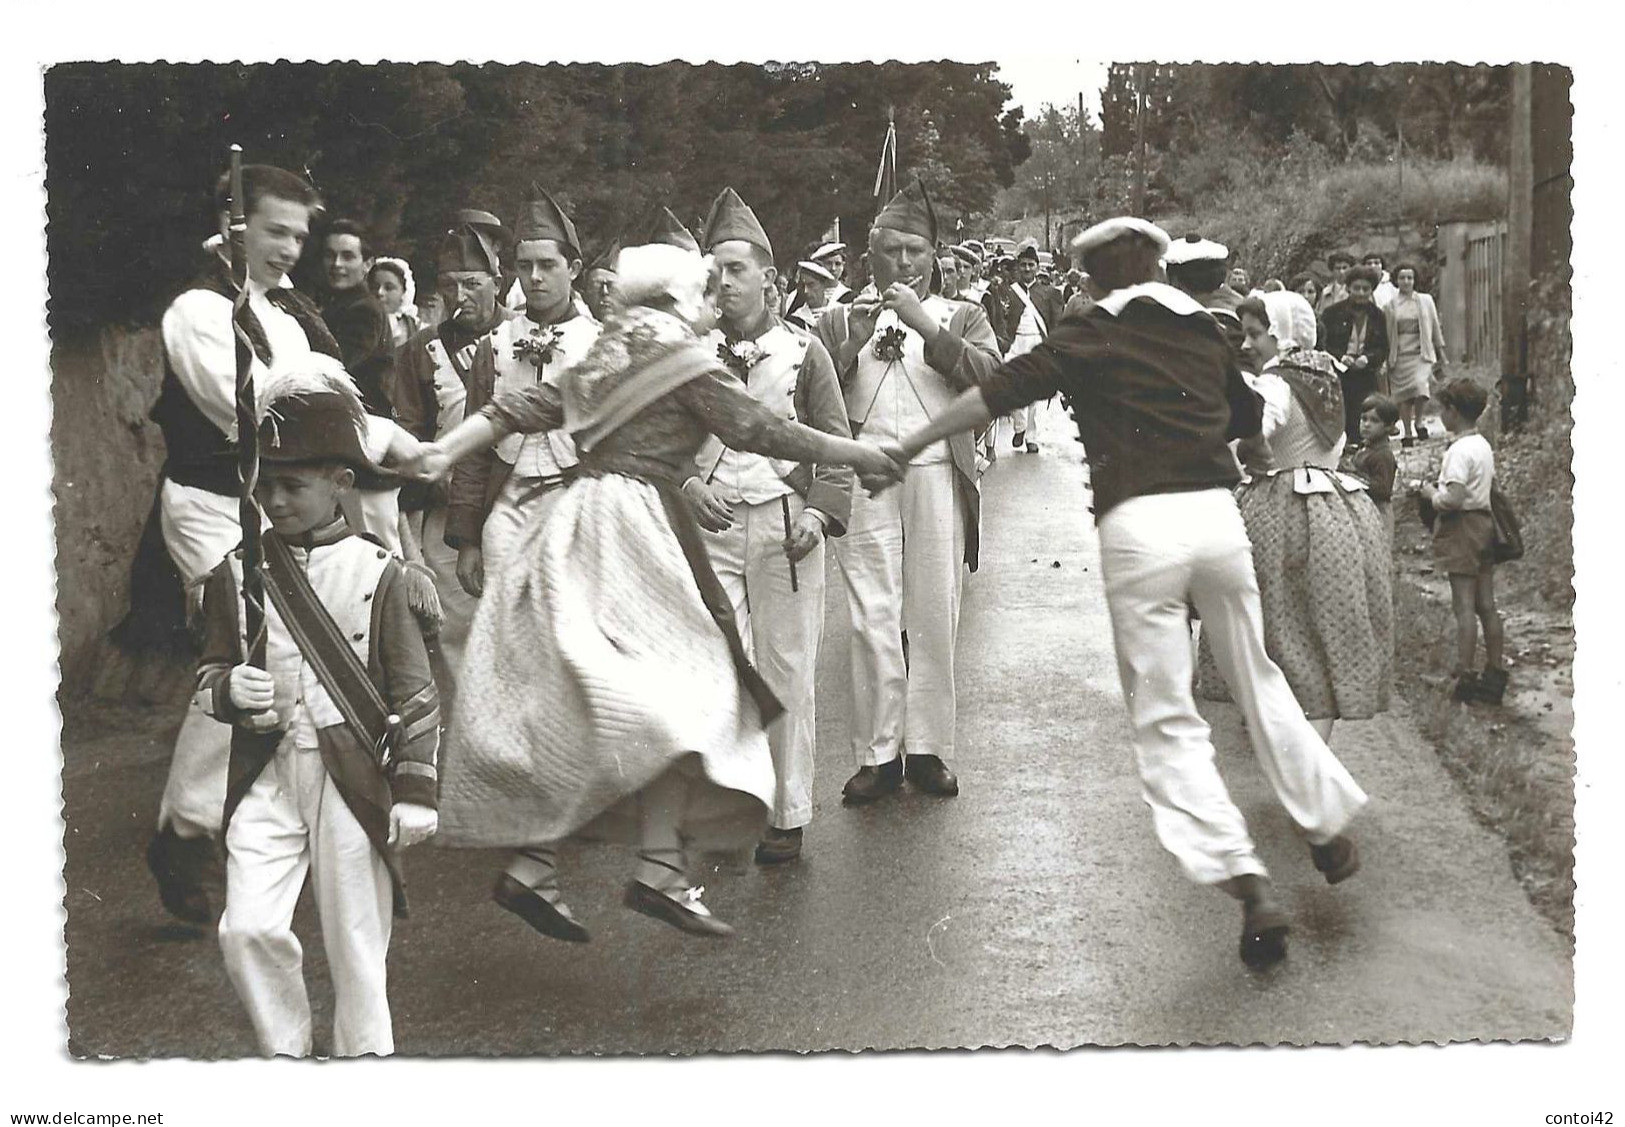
766,520
491,493
434,370
901,354
1156,392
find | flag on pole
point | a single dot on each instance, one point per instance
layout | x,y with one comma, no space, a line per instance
886,175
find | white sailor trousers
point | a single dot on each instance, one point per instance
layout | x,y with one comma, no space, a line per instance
902,564
1159,554
781,630
293,822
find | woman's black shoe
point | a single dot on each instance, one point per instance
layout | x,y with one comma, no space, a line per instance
552,920
685,914
1492,686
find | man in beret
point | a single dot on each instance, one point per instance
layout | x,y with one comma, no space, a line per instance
765,521
1156,393
814,284
832,257
1198,266
971,283
902,354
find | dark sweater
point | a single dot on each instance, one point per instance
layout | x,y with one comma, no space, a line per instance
366,344
1156,395
1375,462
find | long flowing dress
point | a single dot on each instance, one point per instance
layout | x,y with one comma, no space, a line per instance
1320,551
605,654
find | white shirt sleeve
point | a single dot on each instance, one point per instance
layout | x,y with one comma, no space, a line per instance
1277,398
203,353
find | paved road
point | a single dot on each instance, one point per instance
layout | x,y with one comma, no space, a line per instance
1035,909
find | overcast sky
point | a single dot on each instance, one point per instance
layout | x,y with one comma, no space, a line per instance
1035,80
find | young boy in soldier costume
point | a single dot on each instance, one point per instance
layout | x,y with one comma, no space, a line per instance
332,766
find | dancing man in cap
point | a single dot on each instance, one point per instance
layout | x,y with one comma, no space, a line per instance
1156,393
765,520
902,355
491,492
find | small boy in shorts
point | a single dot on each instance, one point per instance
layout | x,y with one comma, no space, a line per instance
1462,539
328,801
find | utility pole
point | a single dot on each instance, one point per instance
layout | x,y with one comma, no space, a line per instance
1139,139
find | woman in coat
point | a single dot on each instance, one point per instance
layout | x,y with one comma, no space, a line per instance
1355,333
1415,350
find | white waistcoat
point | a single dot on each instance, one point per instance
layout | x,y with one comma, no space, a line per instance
539,455
887,400
345,577
737,475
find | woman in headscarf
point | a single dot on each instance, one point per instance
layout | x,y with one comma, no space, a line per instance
390,280
606,694
1320,549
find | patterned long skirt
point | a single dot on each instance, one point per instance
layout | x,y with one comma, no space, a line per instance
593,667
1325,581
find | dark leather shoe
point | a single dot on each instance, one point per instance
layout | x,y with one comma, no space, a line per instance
1032,447
779,846
178,865
930,774
552,920
1466,689
1018,440
1264,929
872,783
1492,686
687,914
1338,859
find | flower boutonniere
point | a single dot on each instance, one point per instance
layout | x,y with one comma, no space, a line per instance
740,356
538,347
889,343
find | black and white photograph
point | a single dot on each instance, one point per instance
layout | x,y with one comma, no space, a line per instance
678,557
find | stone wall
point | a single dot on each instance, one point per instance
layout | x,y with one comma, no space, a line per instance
106,458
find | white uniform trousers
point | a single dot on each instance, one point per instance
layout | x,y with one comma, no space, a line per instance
292,821
1159,553
1024,420
199,529
889,590
781,630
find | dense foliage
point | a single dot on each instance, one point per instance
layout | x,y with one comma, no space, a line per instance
132,151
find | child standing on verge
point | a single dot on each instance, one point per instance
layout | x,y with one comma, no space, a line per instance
332,800
1462,539
1375,460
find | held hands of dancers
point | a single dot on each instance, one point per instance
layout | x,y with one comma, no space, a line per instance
428,462
878,475
410,823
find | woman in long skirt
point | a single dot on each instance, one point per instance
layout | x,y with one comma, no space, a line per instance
1320,549
605,693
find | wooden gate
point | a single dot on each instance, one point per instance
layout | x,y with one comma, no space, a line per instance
1469,295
